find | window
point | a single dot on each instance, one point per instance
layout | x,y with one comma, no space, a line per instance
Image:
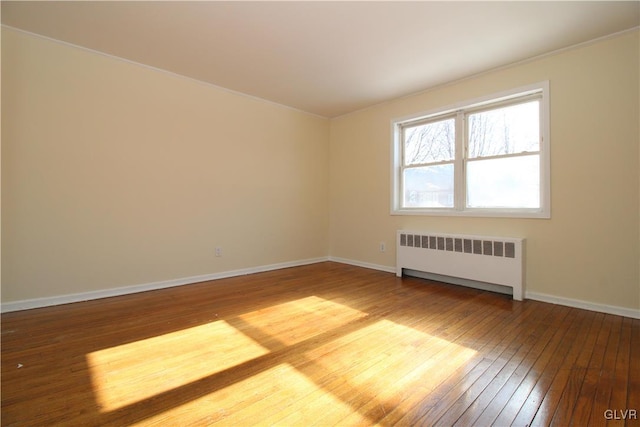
487,157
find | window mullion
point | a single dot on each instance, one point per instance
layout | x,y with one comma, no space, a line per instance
459,169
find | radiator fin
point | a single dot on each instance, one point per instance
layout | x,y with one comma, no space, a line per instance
510,250
487,247
457,244
449,243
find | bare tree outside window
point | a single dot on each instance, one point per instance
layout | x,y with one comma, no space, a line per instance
508,130
431,142
430,147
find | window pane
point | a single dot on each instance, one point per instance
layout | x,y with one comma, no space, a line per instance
507,130
428,187
430,142
512,182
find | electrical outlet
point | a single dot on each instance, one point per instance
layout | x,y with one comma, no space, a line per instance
218,251
383,247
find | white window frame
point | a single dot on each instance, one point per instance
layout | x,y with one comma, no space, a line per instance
458,110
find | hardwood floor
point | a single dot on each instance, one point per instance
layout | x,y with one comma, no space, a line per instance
324,344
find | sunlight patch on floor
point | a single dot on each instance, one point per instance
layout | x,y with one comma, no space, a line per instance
132,372
313,315
380,381
254,401
330,362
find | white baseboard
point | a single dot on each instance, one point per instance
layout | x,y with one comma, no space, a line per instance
106,293
385,268
86,296
585,305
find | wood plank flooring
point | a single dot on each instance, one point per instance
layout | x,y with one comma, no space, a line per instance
324,344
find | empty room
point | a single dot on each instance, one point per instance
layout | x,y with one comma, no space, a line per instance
320,213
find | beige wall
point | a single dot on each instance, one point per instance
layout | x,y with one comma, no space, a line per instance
589,249
114,174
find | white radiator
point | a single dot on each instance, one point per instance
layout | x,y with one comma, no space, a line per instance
494,260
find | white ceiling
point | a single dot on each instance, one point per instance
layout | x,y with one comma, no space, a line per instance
327,58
